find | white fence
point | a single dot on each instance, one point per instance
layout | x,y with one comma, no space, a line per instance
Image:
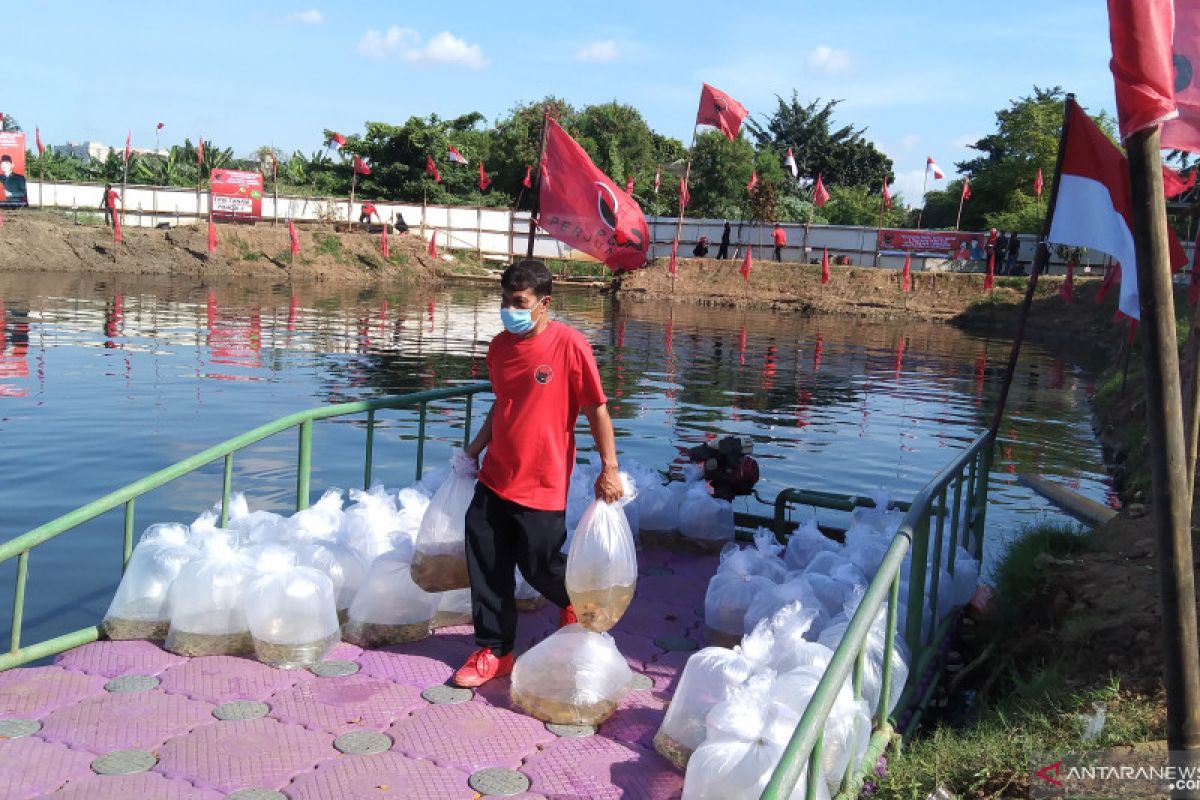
500,233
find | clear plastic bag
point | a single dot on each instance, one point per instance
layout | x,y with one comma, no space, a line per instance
831,637
140,610
572,677
882,520
746,737
389,608
789,627
371,524
766,603
167,533
601,567
320,521
207,613
439,561
805,543
292,617
742,575
658,513
344,567
528,598
706,678
454,608
705,522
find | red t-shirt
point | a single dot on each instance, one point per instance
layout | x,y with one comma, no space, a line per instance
368,208
779,236
112,198
540,384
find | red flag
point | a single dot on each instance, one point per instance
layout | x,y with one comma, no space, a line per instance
37,135
158,127
966,192
384,250
1037,183
820,193
128,145
1183,133
753,181
433,244
294,238
824,265
117,237
1142,66
906,274
337,139
989,280
212,236
484,180
657,178
1066,291
931,166
887,198
628,184
581,206
431,169
671,268
360,166
1111,276
528,182
684,196
721,111
747,262
1175,184
200,151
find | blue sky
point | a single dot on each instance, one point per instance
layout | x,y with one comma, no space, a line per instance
924,78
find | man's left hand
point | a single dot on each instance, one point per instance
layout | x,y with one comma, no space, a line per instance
608,485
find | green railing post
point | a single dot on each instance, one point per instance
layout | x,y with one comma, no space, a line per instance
814,769
914,624
889,644
127,551
421,443
19,599
971,487
955,521
467,424
370,450
979,516
304,465
935,577
226,486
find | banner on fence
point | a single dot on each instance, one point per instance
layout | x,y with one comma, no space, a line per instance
237,194
952,244
12,169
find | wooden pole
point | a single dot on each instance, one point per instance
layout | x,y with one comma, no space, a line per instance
275,185
924,191
350,208
41,179
537,186
882,207
1191,398
124,180
1164,424
687,173
808,222
958,219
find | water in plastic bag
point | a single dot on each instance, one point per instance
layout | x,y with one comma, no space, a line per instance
439,561
346,569
831,637
292,617
139,610
207,613
601,567
705,522
454,608
389,607
572,677
766,603
804,544
742,575
319,521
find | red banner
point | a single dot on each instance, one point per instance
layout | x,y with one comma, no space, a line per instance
951,244
13,191
237,194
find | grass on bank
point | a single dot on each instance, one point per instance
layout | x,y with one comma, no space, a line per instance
1033,706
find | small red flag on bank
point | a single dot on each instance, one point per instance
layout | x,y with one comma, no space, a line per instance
360,166
1111,275
117,237
37,135
294,238
966,192
753,181
128,145
1175,184
484,180
747,262
212,236
431,169
528,182
906,274
824,265
384,250
989,280
433,244
629,184
200,151
1066,291
820,193
1037,183
671,267
1141,33
721,111
887,198
684,196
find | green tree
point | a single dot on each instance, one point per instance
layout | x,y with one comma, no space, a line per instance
618,140
9,123
859,205
720,171
516,139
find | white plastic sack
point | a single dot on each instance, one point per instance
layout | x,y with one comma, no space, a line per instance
879,518
412,503
372,524
766,603
139,610
705,522
319,521
389,608
292,617
804,544
454,608
658,508
344,567
831,637
207,614
572,677
166,533
439,561
601,567
789,627
742,575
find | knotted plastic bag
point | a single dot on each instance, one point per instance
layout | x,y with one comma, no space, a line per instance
345,568
705,522
292,617
601,567
804,544
872,683
139,610
389,608
439,561
372,524
320,521
207,614
742,575
572,677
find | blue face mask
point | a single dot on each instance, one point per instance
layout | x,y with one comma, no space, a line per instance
517,320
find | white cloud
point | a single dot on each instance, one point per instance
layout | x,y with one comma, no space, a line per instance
909,184
910,141
406,44
312,16
824,58
599,52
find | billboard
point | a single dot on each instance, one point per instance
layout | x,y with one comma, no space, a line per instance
13,191
951,244
237,194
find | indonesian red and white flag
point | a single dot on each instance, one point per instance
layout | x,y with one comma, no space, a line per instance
966,192
200,151
1093,208
790,162
431,169
384,249
128,145
906,274
657,178
721,111
337,139
1183,132
672,268
753,181
820,193
360,166
117,237
293,238
456,156
1142,65
213,241
528,181
581,206
887,198
484,180
824,265
931,166
37,135
685,196
433,244
159,126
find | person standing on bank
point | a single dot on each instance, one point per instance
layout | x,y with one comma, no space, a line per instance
779,235
1001,252
1014,253
543,374
723,250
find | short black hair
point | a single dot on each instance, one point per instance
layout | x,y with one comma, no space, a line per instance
6,157
528,273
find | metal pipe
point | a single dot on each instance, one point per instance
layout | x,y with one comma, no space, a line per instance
370,450
814,769
226,486
304,465
19,599
915,619
467,423
421,442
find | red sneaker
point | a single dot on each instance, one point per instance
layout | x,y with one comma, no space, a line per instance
567,617
481,667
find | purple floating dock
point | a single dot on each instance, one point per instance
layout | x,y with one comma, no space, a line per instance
434,748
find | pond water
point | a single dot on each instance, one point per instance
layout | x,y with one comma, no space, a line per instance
106,379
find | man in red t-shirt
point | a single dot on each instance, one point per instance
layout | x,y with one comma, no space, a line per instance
543,374
368,211
780,237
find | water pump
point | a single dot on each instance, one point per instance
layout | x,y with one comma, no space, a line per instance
728,466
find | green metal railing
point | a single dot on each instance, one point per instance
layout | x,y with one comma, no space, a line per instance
958,494
20,546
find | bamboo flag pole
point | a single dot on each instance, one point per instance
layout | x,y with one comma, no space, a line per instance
537,186
808,223
882,201
924,191
353,182
687,174
961,199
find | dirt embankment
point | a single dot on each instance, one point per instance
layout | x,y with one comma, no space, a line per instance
35,241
